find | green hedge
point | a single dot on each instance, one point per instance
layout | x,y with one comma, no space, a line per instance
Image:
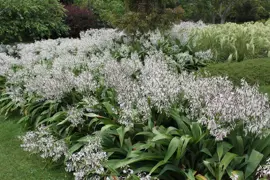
27,20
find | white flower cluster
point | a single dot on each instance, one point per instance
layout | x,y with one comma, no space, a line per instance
127,173
88,161
221,106
264,170
75,116
142,87
183,30
5,63
204,55
51,69
43,142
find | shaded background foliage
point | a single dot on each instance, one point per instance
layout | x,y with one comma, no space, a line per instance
27,20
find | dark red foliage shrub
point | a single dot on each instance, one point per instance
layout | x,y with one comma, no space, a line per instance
79,19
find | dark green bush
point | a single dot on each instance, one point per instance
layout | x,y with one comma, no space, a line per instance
137,15
108,10
146,15
144,22
27,20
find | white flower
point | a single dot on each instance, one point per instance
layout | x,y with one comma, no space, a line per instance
88,161
75,116
41,141
264,170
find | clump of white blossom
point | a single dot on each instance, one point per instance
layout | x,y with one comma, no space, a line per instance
183,30
127,173
88,161
204,55
5,63
75,115
221,106
43,142
264,170
122,77
142,87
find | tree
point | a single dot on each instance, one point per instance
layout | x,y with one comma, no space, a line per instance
145,15
252,10
223,10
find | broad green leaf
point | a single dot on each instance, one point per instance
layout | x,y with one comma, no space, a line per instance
196,131
209,167
121,132
160,137
190,175
75,147
150,124
170,129
85,139
59,116
206,151
175,142
117,163
149,134
61,123
253,162
180,122
220,151
142,146
155,131
92,121
261,144
240,145
160,163
109,108
92,115
144,168
173,168
116,150
108,126
226,160
226,147
183,142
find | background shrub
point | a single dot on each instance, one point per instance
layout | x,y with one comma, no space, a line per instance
79,19
108,10
27,20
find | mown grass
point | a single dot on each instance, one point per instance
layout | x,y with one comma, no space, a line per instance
254,71
16,164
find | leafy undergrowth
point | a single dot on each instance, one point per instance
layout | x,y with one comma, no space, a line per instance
254,71
19,165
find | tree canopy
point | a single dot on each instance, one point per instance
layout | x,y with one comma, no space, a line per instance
223,10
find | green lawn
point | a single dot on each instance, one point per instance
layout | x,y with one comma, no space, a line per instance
254,71
15,164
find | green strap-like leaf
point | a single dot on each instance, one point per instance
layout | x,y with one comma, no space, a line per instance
220,151
253,162
160,163
209,167
175,142
226,160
